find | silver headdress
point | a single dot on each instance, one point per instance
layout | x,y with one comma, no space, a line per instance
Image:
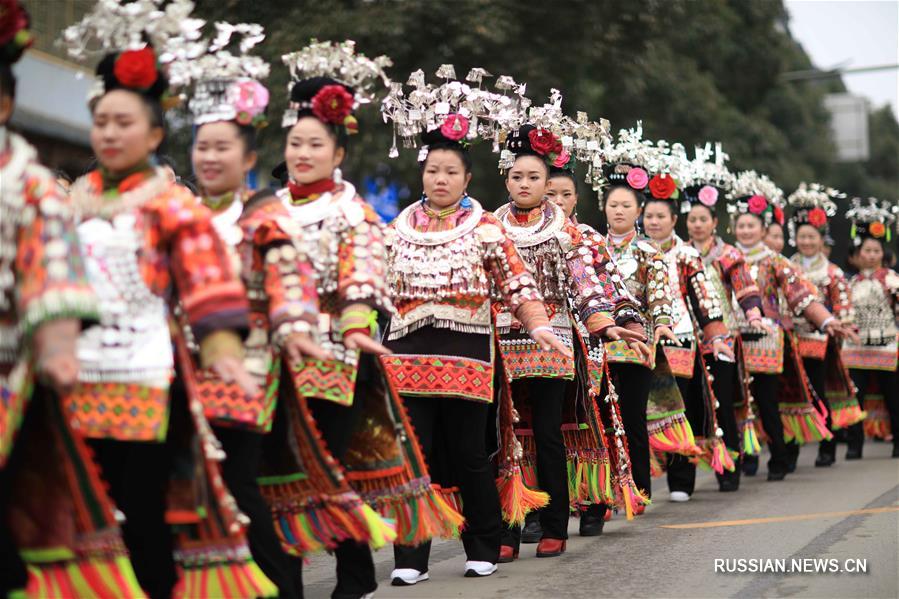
870,218
338,61
118,26
706,177
460,112
812,204
226,86
752,193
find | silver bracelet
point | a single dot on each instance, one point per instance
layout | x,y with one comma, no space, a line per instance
540,328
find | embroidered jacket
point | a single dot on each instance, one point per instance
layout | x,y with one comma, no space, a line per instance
283,300
343,238
149,247
687,277
875,297
41,273
729,277
443,278
785,292
566,263
832,285
645,275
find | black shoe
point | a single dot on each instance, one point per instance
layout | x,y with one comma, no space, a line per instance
792,457
777,475
824,459
854,453
532,531
896,451
750,465
592,521
729,485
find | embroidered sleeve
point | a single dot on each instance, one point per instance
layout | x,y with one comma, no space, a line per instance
703,299
890,281
799,291
838,295
362,268
658,289
212,296
590,282
739,278
288,277
510,274
49,273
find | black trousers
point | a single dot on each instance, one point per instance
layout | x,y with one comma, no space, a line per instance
817,376
239,470
888,381
632,384
355,566
764,390
681,472
546,397
138,476
462,425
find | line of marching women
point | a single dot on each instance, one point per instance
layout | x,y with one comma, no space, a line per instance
199,390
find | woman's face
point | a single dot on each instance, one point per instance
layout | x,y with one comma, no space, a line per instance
658,220
121,135
870,255
622,210
311,153
220,159
562,191
774,237
701,224
748,229
443,178
526,181
808,240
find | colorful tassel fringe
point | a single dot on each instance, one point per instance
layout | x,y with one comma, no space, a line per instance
716,457
673,434
803,423
421,512
227,580
110,577
516,499
845,413
751,445
308,529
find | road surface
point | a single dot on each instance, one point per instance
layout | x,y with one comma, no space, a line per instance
845,517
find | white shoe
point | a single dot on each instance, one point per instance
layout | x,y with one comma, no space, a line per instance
679,496
405,577
474,569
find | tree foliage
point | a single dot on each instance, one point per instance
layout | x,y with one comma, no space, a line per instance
690,70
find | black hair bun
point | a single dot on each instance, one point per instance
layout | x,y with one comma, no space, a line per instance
140,67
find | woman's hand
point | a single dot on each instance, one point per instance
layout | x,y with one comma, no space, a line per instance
365,344
760,323
548,341
663,332
720,346
636,340
841,331
299,345
55,352
231,370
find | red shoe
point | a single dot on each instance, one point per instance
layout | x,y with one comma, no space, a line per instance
638,511
550,547
608,515
507,554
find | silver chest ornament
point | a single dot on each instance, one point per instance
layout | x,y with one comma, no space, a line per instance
132,342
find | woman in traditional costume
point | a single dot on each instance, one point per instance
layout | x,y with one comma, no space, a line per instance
874,293
698,325
812,206
157,264
705,183
353,439
790,412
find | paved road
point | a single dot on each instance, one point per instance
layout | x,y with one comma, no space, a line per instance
849,511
